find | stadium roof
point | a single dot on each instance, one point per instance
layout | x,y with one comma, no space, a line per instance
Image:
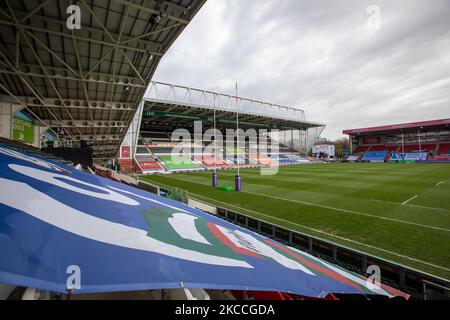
170,106
397,127
86,82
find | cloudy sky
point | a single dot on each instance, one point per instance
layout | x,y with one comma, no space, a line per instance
332,58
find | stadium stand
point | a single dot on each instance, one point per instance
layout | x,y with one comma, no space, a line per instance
378,148
415,148
148,164
142,150
157,150
210,162
443,152
419,141
195,156
391,148
261,160
294,159
362,149
167,108
22,147
284,159
155,136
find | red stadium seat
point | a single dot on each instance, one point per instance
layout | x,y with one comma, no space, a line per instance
261,295
378,148
361,149
417,148
443,153
444,148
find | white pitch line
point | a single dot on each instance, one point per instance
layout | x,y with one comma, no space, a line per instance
353,212
439,183
393,202
335,209
409,200
410,205
331,235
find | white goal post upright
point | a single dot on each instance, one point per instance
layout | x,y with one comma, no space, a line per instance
215,177
238,179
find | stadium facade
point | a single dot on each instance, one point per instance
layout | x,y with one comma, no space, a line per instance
425,141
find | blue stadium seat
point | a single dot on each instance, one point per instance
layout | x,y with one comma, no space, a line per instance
375,155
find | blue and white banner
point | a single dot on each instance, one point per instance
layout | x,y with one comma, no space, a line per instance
410,156
58,224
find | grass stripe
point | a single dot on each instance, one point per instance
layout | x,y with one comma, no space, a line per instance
330,235
360,203
340,210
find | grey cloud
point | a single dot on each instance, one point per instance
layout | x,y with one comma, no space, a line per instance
319,55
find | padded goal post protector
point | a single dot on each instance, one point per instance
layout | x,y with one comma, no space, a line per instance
238,183
55,220
225,188
215,179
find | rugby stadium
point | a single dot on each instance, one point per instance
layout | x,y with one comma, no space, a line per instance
116,186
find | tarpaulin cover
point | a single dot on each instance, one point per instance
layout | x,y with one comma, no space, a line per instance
61,228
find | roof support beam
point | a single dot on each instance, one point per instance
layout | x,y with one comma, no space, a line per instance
122,25
60,77
152,33
45,72
77,104
85,39
62,23
83,84
32,13
101,137
85,124
153,11
124,79
114,41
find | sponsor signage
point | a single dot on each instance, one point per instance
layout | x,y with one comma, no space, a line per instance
125,152
328,149
22,130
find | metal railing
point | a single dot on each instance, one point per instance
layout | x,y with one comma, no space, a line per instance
419,284
179,95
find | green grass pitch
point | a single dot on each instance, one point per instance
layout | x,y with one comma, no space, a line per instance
400,212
